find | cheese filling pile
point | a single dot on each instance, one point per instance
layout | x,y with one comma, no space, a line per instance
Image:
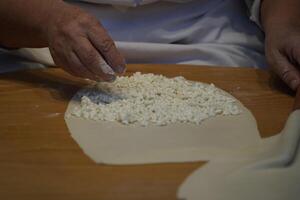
146,99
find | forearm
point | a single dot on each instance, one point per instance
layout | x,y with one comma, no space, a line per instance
275,13
24,22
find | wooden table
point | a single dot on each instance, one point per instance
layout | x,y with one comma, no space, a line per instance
39,159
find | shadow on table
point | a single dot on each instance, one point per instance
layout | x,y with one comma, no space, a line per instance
61,85
271,80
277,84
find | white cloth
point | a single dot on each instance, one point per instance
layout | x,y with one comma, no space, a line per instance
254,10
208,32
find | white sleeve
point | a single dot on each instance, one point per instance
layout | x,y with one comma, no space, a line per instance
254,10
39,55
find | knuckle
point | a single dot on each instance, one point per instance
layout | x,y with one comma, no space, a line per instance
107,45
69,27
286,74
90,57
87,21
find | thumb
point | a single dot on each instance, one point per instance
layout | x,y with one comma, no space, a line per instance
286,71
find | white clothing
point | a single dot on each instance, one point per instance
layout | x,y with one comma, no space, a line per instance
207,32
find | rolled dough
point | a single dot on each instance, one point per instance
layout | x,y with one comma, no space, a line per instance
114,143
267,171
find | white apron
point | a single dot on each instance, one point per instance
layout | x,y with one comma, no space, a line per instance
204,32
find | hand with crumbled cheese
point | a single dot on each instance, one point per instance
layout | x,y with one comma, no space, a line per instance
77,41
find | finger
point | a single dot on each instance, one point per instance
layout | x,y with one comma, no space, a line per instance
286,71
106,46
92,60
61,62
71,64
76,65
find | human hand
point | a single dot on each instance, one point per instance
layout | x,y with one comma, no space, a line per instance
283,53
280,20
81,46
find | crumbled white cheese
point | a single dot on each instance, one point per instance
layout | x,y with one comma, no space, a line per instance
153,99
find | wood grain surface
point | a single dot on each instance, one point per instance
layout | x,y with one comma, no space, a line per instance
39,160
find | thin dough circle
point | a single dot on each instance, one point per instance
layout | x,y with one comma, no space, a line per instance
115,143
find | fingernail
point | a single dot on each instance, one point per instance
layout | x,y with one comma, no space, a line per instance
110,75
294,84
120,69
107,69
111,78
107,78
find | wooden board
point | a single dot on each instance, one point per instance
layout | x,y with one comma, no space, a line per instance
39,160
